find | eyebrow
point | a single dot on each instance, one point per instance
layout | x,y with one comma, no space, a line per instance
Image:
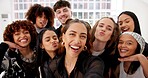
76,32
109,26
124,19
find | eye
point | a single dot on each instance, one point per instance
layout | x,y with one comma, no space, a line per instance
129,43
65,10
120,23
55,37
83,37
17,33
120,42
100,25
127,21
47,39
109,28
58,12
72,34
26,32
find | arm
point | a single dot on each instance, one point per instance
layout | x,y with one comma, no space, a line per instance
95,69
141,58
3,49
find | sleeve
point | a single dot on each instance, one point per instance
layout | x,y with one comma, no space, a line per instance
95,68
3,49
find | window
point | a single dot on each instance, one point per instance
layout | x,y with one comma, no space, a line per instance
87,10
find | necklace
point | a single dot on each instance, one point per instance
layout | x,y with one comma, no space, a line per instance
29,60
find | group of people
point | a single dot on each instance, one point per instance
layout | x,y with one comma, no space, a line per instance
33,48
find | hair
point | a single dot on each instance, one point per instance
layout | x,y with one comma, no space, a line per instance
114,37
41,51
135,19
132,68
16,26
61,3
88,25
88,44
37,10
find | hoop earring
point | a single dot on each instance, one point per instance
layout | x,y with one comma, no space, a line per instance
85,48
63,43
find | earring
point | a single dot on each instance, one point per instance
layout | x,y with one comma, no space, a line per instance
85,48
63,43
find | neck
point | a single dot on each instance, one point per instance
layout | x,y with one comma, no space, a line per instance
126,66
26,52
98,45
51,54
70,63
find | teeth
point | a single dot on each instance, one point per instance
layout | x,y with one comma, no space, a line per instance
24,40
123,50
75,47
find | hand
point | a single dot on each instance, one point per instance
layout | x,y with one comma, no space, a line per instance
12,45
131,58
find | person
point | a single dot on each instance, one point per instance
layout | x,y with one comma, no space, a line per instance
76,61
132,63
63,12
41,17
18,57
128,21
47,47
104,35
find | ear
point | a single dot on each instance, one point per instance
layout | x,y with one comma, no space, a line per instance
41,46
63,37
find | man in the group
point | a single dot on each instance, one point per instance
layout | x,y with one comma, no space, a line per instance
63,12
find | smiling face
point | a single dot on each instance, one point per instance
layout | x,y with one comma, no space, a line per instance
75,39
104,30
22,38
41,21
50,41
126,23
63,14
127,45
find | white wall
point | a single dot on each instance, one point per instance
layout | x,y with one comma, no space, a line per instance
140,8
5,8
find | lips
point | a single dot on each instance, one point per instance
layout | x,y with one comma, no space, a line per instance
124,29
102,33
123,50
23,40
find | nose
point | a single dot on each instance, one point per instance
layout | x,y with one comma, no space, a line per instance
103,28
123,45
62,13
77,40
22,34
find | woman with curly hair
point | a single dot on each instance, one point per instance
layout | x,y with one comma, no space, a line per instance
18,59
40,16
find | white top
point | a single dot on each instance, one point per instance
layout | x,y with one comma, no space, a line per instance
138,74
95,53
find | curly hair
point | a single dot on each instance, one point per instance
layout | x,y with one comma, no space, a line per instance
38,10
16,26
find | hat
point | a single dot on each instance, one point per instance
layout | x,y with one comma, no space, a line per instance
138,38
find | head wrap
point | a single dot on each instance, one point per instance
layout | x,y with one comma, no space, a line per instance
138,38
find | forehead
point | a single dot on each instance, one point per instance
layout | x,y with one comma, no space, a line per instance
49,32
77,27
62,8
127,37
107,21
124,17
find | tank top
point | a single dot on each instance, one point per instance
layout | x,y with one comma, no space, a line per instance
138,74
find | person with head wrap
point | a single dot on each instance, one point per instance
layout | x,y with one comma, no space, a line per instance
133,64
128,21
